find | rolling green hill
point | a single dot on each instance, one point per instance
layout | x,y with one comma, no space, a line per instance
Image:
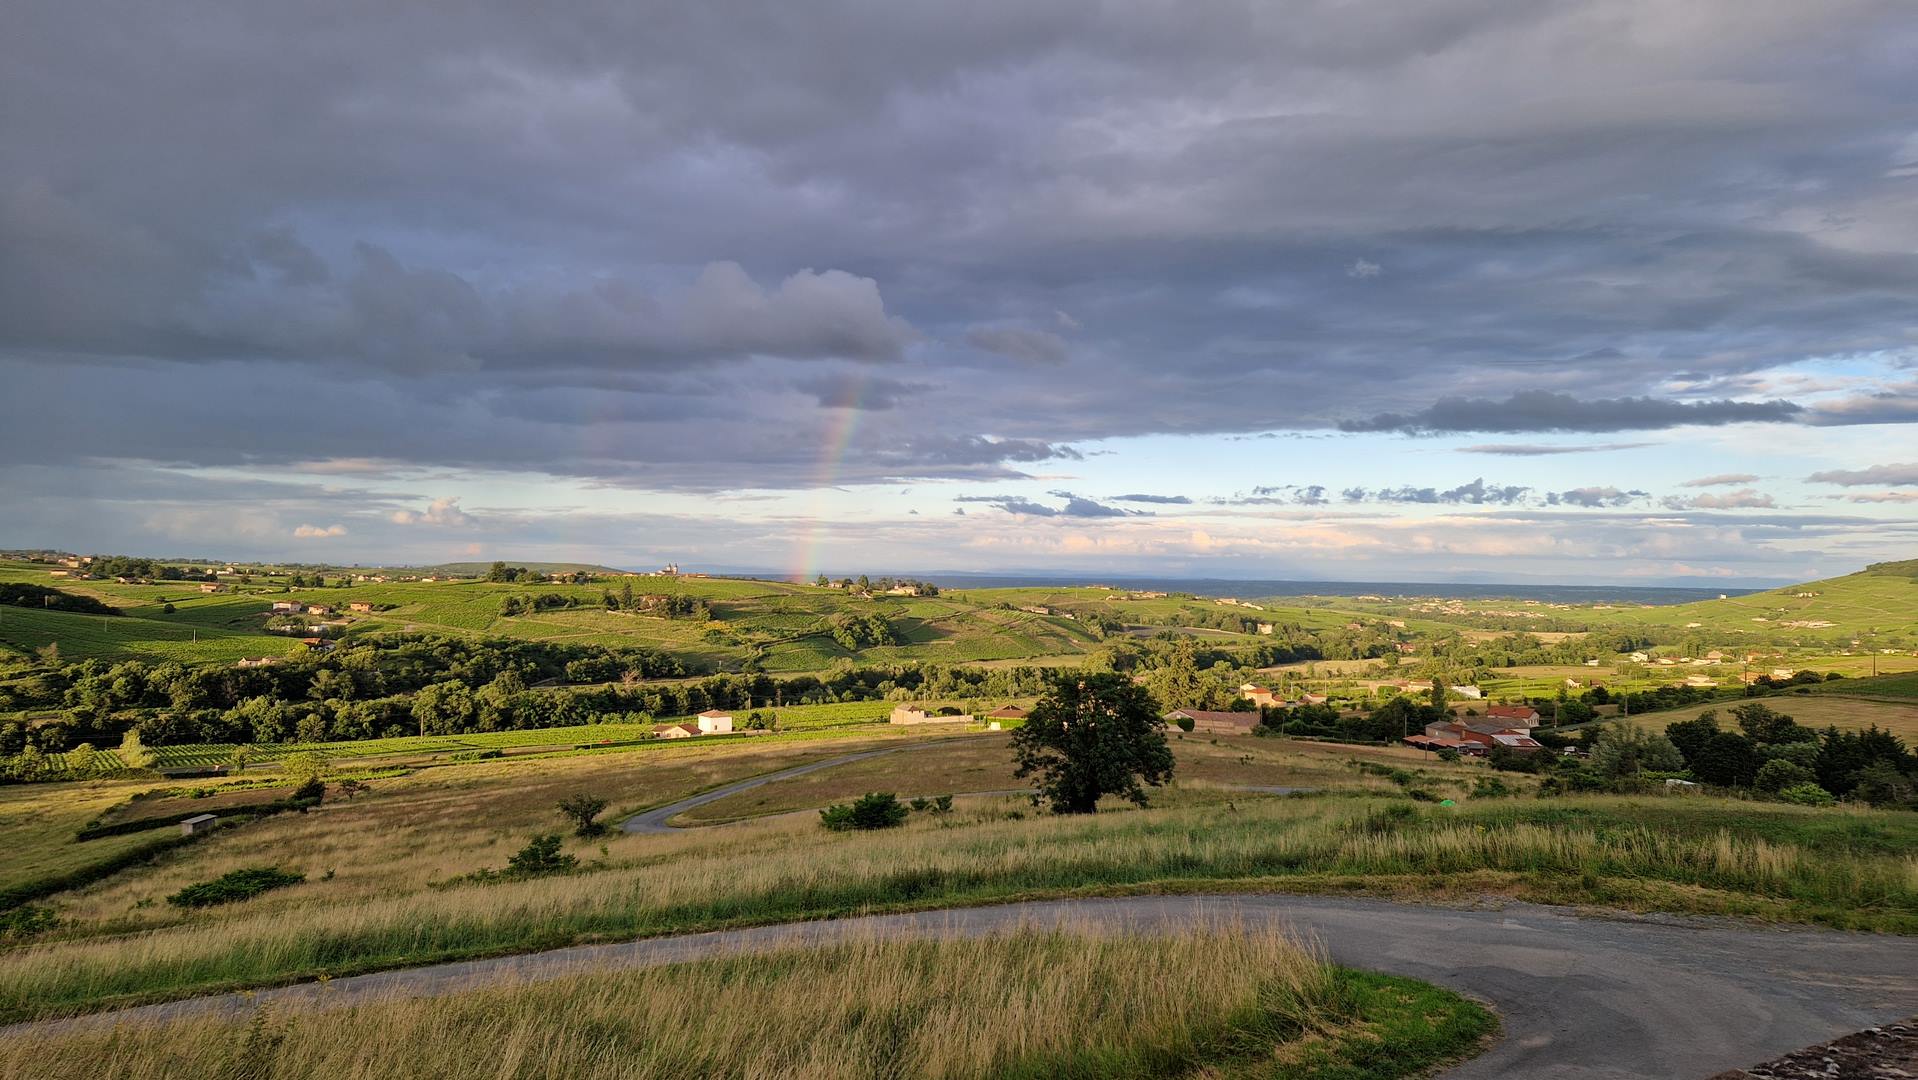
1881,599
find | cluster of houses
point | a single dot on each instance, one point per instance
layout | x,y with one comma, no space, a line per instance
1509,726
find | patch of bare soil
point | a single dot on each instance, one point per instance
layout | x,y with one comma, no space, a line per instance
1881,1053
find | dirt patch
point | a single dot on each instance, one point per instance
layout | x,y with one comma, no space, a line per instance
1879,1053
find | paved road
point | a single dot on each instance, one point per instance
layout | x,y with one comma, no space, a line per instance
1582,998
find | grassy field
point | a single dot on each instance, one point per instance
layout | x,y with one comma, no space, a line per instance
1899,687
1215,1002
386,872
1815,711
1206,767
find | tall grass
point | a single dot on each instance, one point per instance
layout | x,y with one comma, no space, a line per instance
783,870
1026,1004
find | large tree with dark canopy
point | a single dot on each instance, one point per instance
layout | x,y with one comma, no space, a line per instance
1093,735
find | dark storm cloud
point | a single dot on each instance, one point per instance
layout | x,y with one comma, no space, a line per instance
1542,410
488,235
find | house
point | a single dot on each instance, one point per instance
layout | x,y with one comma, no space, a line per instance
903,590
1261,696
1591,663
1217,723
1639,657
1715,656
1312,699
253,661
915,714
1265,628
60,573
209,586
1471,692
318,609
1524,744
360,606
1750,677
1782,673
316,644
1513,716
1700,680
1010,712
287,606
714,722
1482,734
676,731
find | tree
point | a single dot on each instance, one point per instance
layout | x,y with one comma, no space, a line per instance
306,768
1727,759
540,856
1625,749
1881,784
1778,774
581,810
1690,736
133,752
1092,735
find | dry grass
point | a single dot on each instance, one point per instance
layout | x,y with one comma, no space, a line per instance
984,763
1037,1004
434,825
1813,710
1847,868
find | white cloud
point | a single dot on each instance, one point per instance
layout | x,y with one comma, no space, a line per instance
443,512
319,532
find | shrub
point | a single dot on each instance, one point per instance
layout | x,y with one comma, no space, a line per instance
1185,724
1447,753
1778,774
311,791
234,885
582,810
541,856
1807,795
873,810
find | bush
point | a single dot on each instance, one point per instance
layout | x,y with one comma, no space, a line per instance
1778,774
1808,795
1185,724
541,856
234,885
873,810
311,791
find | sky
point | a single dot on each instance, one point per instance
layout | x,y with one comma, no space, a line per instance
1620,291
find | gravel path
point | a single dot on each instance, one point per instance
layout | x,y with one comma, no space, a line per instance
1581,997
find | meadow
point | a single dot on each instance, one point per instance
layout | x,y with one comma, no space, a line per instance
1814,710
387,873
1215,1001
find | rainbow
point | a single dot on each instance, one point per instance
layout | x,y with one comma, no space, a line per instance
843,410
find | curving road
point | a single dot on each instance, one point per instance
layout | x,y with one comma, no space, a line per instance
1582,998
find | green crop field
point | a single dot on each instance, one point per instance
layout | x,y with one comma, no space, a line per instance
160,637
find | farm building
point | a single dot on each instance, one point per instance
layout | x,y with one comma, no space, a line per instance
1472,692
677,731
1259,695
1010,712
914,714
318,609
280,606
209,586
1513,716
714,722
360,606
1215,722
